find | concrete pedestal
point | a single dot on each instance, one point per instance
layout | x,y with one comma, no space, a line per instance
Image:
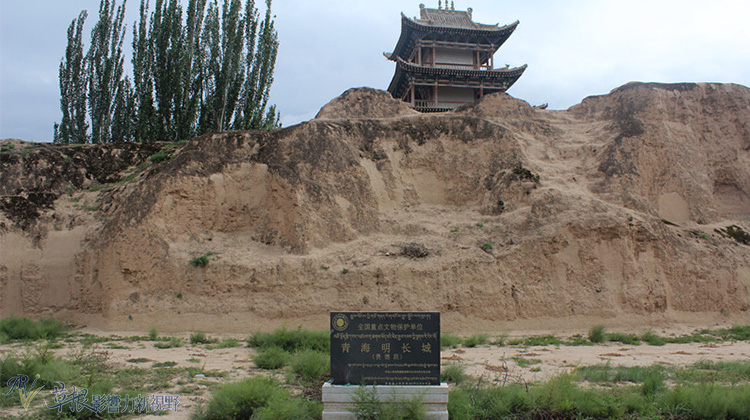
337,399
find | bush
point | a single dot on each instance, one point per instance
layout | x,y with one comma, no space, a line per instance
597,334
310,365
367,406
158,157
453,373
240,400
475,340
653,339
285,408
169,343
629,339
292,340
448,340
153,334
14,328
199,338
271,358
201,261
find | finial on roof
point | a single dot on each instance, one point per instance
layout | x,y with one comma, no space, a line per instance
421,6
440,4
453,6
469,10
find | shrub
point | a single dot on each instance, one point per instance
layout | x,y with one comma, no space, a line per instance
739,235
271,358
240,400
201,261
486,246
597,334
169,343
448,340
653,339
284,408
158,157
367,406
454,373
629,339
199,338
475,340
310,365
153,334
227,343
292,340
545,340
14,328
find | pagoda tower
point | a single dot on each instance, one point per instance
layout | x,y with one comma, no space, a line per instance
444,59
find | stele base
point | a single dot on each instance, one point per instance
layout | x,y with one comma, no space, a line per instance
337,399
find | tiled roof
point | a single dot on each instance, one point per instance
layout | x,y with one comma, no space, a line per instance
447,18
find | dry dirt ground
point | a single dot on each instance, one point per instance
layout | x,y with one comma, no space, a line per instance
489,363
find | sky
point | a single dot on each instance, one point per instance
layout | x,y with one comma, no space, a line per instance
574,49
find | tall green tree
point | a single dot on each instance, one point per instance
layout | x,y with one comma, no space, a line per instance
106,67
211,71
143,78
73,127
260,62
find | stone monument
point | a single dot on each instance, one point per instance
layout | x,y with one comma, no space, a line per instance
396,355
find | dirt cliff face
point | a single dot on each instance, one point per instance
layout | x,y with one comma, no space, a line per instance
615,211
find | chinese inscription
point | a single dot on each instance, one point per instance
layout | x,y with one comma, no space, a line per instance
385,348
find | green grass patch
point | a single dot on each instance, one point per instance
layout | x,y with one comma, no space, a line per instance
138,360
169,343
14,328
168,364
597,334
227,343
524,362
310,365
200,338
629,339
259,398
449,341
271,358
541,341
475,340
454,373
653,339
158,157
201,261
292,340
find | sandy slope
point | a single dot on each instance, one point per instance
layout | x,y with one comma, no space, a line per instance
315,217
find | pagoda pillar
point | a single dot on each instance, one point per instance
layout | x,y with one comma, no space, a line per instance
413,98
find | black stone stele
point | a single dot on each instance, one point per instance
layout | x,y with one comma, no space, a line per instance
385,348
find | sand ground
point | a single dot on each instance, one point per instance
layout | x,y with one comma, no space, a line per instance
492,363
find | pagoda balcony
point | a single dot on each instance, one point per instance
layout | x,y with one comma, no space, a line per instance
431,106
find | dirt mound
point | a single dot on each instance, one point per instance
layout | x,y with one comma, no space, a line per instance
365,103
616,209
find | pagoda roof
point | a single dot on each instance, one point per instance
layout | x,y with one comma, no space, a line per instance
405,72
448,18
448,25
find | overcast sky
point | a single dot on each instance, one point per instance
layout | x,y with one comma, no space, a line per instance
574,48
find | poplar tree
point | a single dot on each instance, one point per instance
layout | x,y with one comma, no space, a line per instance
211,71
73,127
106,66
143,78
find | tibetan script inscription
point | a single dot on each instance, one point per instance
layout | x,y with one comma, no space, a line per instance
385,348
